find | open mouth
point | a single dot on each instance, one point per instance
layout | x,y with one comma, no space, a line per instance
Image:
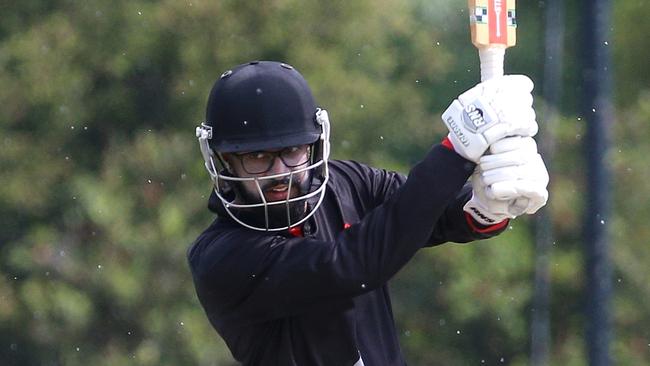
277,192
279,188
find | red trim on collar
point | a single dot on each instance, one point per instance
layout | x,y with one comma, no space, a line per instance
296,231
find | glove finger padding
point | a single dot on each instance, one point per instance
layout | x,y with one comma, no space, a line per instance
518,206
515,121
512,181
498,175
510,151
529,200
524,196
521,144
514,198
513,189
489,162
515,173
520,121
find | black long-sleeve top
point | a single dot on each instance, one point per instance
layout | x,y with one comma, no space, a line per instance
322,299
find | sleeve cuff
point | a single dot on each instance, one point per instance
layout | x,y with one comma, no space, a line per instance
483,229
447,143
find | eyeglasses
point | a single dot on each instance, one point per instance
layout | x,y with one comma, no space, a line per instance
258,162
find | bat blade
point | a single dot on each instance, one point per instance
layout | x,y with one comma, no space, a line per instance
493,25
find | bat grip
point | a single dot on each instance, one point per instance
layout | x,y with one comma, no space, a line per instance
491,62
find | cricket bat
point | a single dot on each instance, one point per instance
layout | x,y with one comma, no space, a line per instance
493,24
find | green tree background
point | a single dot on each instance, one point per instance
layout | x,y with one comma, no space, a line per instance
102,187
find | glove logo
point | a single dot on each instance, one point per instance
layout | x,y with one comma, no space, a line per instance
476,116
455,128
480,214
473,118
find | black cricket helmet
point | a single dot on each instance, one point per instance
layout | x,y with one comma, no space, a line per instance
265,105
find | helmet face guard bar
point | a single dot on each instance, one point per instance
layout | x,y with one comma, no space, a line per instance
204,133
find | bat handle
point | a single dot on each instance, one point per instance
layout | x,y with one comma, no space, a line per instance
491,62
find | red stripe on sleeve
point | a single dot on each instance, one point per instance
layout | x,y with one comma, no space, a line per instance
447,143
476,227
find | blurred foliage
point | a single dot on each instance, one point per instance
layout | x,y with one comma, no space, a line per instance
102,187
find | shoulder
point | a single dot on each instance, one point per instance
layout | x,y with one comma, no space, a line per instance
225,247
363,176
349,167
356,173
347,176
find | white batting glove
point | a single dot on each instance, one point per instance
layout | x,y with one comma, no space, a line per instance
488,112
509,182
516,173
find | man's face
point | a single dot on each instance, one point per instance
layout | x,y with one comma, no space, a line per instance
258,164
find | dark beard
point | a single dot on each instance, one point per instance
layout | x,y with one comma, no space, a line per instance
279,214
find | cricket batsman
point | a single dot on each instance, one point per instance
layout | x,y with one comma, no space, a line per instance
293,271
